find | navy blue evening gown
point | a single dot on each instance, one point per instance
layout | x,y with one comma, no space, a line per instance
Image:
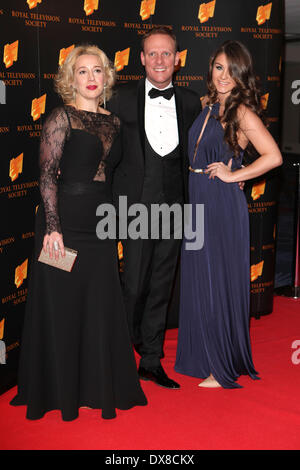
213,336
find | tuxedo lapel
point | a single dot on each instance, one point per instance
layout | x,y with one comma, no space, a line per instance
141,112
180,116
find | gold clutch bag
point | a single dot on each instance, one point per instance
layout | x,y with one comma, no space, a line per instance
65,263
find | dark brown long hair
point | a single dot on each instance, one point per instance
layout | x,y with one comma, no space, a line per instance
245,92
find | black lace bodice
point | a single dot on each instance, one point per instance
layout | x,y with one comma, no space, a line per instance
89,159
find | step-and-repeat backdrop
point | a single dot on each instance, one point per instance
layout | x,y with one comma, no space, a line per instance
37,35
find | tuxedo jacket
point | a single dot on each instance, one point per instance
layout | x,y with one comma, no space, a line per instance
128,103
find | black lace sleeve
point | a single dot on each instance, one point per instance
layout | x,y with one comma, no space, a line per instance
54,134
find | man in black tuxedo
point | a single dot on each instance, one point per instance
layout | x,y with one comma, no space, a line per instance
153,170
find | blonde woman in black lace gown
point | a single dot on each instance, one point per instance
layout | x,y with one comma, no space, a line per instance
76,348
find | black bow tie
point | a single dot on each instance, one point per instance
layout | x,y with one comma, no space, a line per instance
167,94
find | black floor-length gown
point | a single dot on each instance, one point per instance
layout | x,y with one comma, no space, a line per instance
213,336
76,348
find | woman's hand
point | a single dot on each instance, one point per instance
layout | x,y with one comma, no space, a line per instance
222,171
54,245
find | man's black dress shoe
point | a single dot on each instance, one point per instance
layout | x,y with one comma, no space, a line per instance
157,376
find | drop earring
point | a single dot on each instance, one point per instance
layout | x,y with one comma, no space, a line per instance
104,96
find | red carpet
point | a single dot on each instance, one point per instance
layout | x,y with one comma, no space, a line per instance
264,414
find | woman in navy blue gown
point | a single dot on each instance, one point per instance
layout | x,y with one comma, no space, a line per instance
213,338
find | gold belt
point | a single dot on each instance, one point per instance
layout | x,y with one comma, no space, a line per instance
197,170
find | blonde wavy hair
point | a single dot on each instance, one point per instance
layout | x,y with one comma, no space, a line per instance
65,75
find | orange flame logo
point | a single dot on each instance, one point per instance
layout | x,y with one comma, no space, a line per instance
1,329
258,189
256,270
33,3
90,6
16,167
122,59
38,107
182,58
206,11
147,9
181,61
264,100
63,54
263,13
120,250
21,273
10,54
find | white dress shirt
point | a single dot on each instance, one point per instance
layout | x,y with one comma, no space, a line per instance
161,122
